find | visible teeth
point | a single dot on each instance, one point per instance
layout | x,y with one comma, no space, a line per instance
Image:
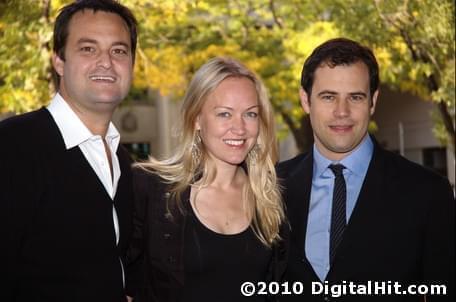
102,78
234,142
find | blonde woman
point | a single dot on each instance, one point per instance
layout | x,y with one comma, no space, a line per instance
208,218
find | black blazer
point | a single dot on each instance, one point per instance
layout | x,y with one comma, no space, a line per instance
402,228
57,234
155,261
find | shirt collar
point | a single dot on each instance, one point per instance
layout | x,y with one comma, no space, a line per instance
73,130
356,162
113,137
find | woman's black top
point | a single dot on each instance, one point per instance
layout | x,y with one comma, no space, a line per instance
216,265
172,256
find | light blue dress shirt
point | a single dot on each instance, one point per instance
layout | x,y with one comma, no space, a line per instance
319,217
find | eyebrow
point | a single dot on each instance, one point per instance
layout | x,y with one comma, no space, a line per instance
359,93
92,41
331,92
327,92
229,108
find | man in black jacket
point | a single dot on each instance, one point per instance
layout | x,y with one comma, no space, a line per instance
364,221
66,192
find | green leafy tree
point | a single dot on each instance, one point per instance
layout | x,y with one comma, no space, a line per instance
25,32
179,36
413,40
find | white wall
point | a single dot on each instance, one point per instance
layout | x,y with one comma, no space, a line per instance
395,109
156,124
144,117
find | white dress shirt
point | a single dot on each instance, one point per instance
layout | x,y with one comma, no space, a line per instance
75,133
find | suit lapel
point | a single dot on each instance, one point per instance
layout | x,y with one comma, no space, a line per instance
297,197
298,187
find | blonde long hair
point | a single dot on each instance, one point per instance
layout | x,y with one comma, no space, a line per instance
190,163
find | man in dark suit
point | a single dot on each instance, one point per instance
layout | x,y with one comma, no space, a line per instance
65,184
364,221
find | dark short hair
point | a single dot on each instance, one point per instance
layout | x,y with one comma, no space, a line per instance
335,52
67,12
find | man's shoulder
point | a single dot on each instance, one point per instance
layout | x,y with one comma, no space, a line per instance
28,137
408,170
287,167
145,177
23,123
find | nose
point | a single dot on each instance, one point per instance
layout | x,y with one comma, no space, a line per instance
238,125
104,60
342,108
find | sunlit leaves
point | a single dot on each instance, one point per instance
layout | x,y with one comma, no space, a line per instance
412,39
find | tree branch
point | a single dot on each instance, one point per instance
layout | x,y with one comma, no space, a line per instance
274,14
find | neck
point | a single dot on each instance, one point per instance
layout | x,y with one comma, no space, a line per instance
334,156
96,122
228,176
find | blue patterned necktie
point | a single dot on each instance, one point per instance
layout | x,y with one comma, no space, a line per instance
338,213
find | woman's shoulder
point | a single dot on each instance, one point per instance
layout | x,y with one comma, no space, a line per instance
145,178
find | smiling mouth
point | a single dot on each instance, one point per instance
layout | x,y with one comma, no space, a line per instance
234,142
341,128
104,79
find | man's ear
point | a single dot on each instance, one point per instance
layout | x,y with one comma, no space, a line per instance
58,64
305,100
374,102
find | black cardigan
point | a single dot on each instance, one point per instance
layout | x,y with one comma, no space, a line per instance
56,224
155,268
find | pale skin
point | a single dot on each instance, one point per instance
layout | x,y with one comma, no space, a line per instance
340,108
229,127
96,73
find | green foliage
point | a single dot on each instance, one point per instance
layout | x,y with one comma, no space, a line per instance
24,56
271,37
413,41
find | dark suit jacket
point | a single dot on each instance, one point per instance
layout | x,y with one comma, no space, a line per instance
155,261
57,234
402,228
